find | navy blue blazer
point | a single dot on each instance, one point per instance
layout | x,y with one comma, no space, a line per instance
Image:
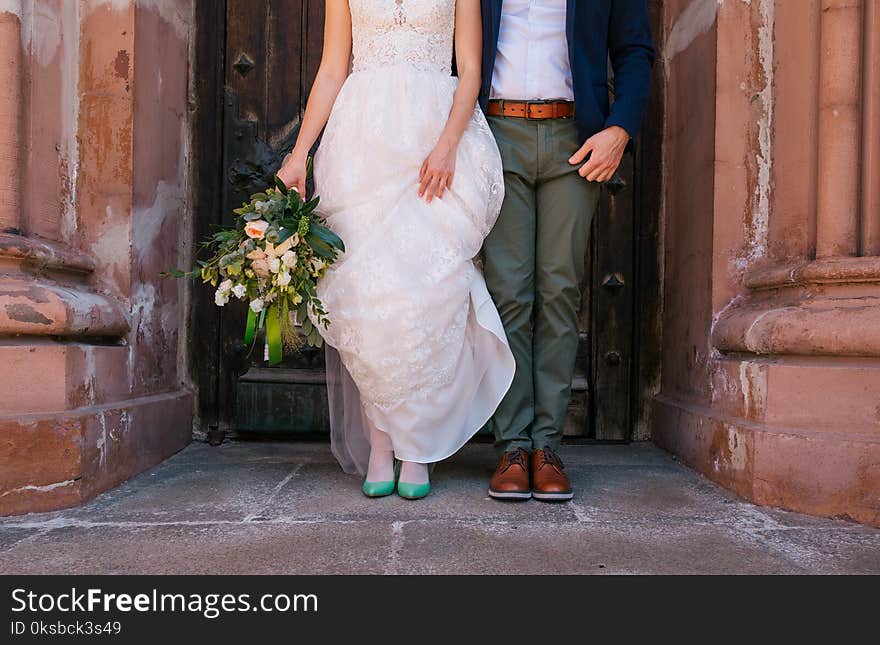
596,31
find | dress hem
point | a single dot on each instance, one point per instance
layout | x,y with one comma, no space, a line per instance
479,308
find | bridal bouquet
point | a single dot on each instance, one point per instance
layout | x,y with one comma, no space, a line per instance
273,257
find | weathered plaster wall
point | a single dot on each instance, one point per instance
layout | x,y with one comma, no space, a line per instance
689,151
89,329
161,141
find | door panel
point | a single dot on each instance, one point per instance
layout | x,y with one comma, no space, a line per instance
273,49
611,304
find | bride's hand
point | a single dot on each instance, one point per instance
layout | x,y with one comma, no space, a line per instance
293,173
437,172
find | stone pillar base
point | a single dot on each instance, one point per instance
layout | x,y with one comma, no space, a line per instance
59,460
827,307
790,415
75,420
799,434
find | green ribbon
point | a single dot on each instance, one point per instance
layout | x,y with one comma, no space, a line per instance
273,334
250,331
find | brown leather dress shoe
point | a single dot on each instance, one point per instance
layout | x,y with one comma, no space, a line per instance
511,478
549,481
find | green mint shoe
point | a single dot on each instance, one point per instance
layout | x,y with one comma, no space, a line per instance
382,489
378,489
413,491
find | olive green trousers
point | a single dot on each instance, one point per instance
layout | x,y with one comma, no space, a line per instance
534,262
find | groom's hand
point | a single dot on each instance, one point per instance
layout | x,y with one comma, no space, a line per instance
606,150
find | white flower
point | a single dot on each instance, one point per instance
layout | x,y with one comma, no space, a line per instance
221,297
317,264
274,265
283,279
225,286
289,259
257,305
240,291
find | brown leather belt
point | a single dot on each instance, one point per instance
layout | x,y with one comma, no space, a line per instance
531,109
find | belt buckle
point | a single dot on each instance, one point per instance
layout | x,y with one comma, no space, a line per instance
529,105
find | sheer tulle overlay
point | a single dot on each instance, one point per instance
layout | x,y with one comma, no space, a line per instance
416,346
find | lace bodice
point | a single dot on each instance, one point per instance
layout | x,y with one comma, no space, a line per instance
394,32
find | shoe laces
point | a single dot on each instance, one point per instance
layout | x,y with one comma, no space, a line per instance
518,456
552,459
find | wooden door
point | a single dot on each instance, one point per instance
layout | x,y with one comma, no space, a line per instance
271,51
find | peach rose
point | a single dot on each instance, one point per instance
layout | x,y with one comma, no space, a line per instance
261,268
256,229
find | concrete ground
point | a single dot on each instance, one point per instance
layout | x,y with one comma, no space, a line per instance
286,508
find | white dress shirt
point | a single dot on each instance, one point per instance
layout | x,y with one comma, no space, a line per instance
532,61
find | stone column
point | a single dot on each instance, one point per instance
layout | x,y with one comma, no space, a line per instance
840,78
45,288
870,207
11,65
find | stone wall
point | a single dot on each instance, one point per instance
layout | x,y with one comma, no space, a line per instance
93,154
771,322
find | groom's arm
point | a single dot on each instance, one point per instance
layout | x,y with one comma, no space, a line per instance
632,56
631,50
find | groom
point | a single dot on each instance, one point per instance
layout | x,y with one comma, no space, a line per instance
545,93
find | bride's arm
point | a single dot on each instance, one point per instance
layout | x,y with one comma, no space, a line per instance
331,75
439,168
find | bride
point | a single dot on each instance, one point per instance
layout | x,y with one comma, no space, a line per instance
410,177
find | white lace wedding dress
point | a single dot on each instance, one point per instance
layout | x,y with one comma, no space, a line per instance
416,345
